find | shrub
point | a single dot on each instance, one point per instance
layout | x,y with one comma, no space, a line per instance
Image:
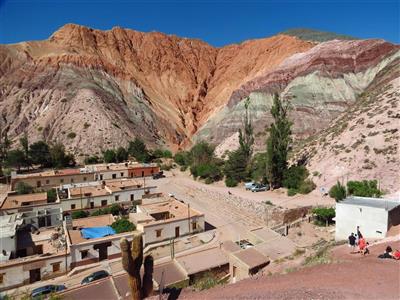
167,154
79,214
121,154
51,195
137,148
109,156
183,168
324,215
306,186
92,160
338,191
182,158
166,167
23,188
291,192
207,170
365,188
231,182
71,135
123,225
294,176
99,212
206,281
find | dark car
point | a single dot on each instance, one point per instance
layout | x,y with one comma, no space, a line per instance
41,292
95,276
159,175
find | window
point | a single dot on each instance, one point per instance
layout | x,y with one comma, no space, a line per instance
56,267
103,202
2,277
73,206
116,197
47,181
194,225
122,174
39,249
84,254
158,232
84,178
38,183
61,180
114,176
132,197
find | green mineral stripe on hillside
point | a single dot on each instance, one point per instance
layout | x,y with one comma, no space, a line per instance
316,35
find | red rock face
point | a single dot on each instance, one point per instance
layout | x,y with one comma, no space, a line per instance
109,86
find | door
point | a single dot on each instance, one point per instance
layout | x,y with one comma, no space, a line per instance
177,231
42,222
34,275
103,253
91,204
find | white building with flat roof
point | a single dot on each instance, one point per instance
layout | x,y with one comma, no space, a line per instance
374,216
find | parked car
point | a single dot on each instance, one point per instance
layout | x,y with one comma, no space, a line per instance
41,292
159,175
249,185
259,188
95,276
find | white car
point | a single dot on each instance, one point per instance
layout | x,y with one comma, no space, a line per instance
249,185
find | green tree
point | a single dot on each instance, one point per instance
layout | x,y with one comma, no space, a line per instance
94,159
182,158
79,214
201,153
51,195
39,153
278,143
23,188
5,145
257,167
121,154
324,215
338,192
15,159
24,142
237,167
123,225
365,188
137,148
59,157
109,156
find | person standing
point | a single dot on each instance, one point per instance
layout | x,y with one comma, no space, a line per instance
359,234
352,242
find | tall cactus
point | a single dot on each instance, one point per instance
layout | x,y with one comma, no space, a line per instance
132,259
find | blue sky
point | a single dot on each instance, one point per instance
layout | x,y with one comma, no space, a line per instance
217,22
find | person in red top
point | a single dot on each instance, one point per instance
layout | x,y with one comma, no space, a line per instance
361,245
396,255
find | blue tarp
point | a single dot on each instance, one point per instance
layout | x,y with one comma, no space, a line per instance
96,232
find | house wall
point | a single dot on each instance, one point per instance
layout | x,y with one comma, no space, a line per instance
17,274
237,269
108,174
113,250
168,229
124,196
33,208
8,243
373,222
53,181
143,171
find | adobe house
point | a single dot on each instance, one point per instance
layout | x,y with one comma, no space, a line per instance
166,218
375,216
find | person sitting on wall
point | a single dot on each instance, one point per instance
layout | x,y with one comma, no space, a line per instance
387,254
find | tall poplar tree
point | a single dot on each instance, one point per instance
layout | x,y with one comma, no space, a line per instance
278,143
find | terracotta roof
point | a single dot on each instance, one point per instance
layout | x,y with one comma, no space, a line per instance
203,260
92,191
230,246
251,257
15,201
97,221
176,209
51,173
122,184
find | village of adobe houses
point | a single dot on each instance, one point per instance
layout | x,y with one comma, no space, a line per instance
61,240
